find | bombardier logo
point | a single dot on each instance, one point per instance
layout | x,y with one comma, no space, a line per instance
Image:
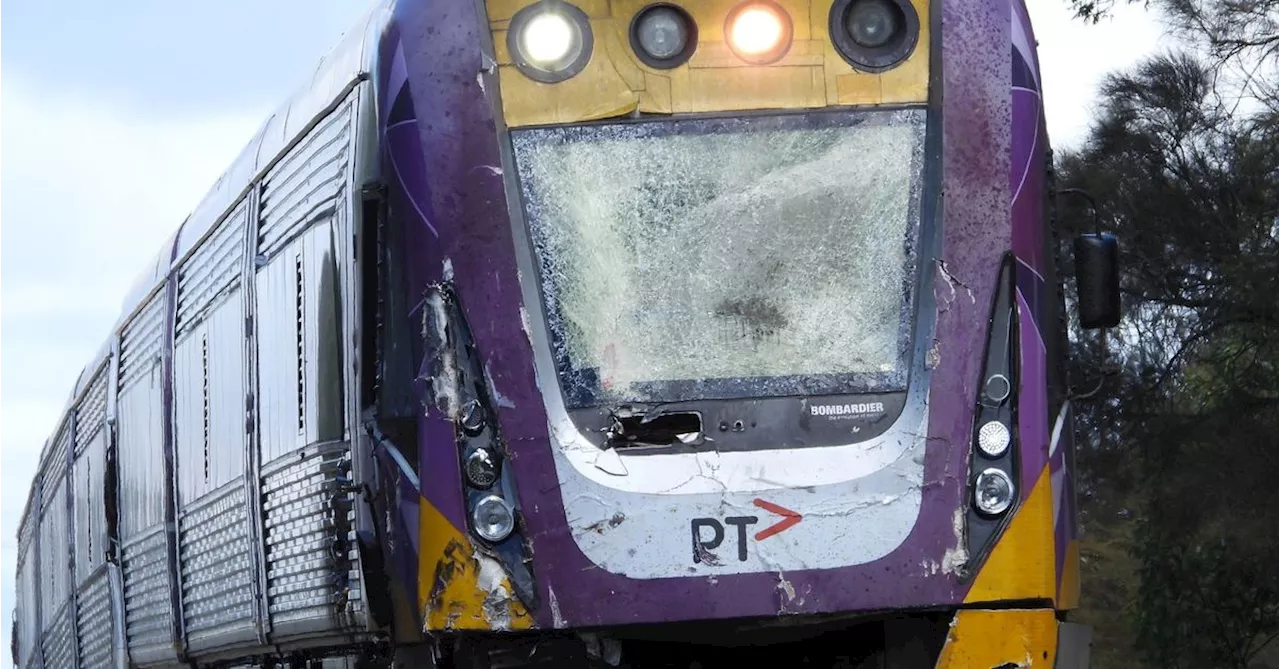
852,410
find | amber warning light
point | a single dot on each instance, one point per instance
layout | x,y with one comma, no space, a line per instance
759,32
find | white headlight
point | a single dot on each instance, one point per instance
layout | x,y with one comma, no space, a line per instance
493,518
993,492
993,439
547,38
550,41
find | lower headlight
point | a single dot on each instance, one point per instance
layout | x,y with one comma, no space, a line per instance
493,519
993,492
550,41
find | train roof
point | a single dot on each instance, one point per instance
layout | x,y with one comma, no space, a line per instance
347,63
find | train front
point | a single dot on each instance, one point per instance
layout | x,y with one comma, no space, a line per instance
708,356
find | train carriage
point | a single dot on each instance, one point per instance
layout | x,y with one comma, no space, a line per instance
595,332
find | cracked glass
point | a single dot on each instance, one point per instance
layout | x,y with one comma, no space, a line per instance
724,258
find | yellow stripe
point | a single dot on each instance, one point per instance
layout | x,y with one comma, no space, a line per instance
450,592
1069,588
984,639
1022,566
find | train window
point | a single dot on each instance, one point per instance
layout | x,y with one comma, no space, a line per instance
728,258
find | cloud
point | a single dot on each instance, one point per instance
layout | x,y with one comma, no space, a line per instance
92,188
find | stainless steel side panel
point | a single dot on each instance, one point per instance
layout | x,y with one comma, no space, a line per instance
312,575
57,641
147,588
219,589
96,621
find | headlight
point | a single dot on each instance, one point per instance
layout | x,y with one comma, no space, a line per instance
759,31
493,518
993,438
874,35
993,492
663,36
550,41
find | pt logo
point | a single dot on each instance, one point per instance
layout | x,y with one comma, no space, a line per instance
709,533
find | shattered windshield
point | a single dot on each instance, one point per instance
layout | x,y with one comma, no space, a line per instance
726,257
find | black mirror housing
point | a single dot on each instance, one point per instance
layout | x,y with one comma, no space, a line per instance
1098,280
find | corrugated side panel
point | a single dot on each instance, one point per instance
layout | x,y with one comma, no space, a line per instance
92,410
28,622
57,640
312,582
212,270
91,519
209,401
141,341
217,570
140,406
53,550
95,627
147,588
307,182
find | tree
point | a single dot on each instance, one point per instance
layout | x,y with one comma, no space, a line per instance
1237,37
1184,433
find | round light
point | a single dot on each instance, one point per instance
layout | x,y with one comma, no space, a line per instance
547,38
663,36
993,492
481,467
550,41
759,32
493,519
998,388
872,23
993,439
873,35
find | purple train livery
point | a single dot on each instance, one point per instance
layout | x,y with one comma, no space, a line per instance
575,333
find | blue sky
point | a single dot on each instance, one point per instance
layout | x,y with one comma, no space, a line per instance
117,116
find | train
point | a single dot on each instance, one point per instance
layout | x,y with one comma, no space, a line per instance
587,333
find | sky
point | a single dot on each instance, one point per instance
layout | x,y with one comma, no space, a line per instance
116,117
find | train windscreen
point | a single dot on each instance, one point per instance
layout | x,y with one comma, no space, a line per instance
726,258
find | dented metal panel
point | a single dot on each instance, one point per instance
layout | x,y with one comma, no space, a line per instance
95,625
147,587
209,400
307,183
218,585
313,570
140,408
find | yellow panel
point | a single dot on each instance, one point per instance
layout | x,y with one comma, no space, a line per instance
983,639
450,592
778,88
1069,588
615,81
1021,566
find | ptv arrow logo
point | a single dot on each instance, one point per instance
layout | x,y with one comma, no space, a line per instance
704,546
789,519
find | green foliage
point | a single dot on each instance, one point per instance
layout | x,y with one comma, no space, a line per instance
1178,450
